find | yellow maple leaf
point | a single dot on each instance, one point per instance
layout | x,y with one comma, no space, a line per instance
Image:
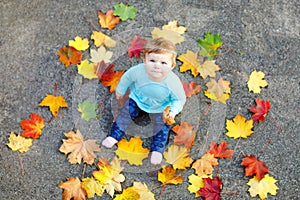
218,90
168,176
178,157
132,151
92,187
72,189
262,187
79,43
128,194
208,68
54,103
172,25
86,69
19,143
205,164
143,191
102,39
79,148
256,81
239,127
100,54
197,183
189,61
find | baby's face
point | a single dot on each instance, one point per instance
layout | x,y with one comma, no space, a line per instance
158,65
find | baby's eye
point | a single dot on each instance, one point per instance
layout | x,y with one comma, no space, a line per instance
152,60
164,63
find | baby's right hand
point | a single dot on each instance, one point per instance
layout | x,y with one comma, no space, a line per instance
119,96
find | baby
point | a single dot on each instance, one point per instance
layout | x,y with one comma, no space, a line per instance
153,86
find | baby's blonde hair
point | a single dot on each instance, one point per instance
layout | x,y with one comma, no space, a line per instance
161,46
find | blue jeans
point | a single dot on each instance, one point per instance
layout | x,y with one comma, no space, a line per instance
130,112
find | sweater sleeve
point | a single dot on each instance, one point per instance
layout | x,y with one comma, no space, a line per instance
178,97
126,80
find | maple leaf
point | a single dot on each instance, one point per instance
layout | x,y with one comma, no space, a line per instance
178,157
92,187
32,127
211,189
124,11
72,189
87,109
79,148
104,71
220,151
254,166
208,68
113,81
136,47
262,187
168,120
19,143
109,175
218,91
172,25
102,39
170,32
189,61
209,45
196,183
185,134
143,191
54,103
79,43
108,20
132,151
100,54
260,110
256,81
239,127
168,176
191,88
69,55
129,193
205,164
86,69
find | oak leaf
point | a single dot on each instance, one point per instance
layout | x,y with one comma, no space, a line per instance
54,103
185,134
168,176
113,81
239,127
254,167
218,90
79,148
208,68
209,45
92,187
124,11
220,151
191,88
108,20
87,109
190,61
132,151
69,55
260,110
72,189
137,45
172,25
32,127
178,157
87,70
256,81
205,164
167,119
19,143
211,189
104,71
143,191
100,54
196,183
262,187
79,43
128,193
102,39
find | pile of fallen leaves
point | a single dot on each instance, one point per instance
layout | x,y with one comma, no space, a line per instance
108,177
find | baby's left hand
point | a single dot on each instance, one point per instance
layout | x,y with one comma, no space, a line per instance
171,115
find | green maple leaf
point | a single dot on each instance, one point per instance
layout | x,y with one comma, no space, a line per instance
209,45
124,11
88,110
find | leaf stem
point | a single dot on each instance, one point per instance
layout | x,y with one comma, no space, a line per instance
21,164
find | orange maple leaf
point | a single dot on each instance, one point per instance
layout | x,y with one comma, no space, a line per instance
254,166
72,189
205,164
168,120
191,88
168,176
113,81
32,127
185,134
108,20
69,55
220,151
54,103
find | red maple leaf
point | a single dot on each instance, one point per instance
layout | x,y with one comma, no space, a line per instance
136,47
191,88
220,151
69,55
104,71
211,189
254,166
32,127
260,110
185,134
113,81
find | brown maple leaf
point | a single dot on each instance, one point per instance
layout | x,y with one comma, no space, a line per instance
185,134
220,151
108,20
69,55
205,164
254,166
72,189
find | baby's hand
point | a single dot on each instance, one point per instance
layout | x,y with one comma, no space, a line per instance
119,96
171,115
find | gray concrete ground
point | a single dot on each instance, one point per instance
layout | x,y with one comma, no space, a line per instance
268,32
